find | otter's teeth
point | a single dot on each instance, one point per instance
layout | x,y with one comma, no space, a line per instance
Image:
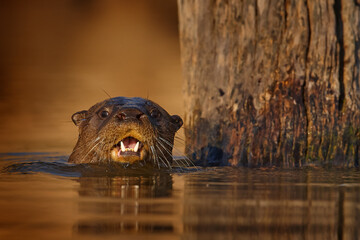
136,148
123,149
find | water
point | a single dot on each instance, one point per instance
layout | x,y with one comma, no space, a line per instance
44,197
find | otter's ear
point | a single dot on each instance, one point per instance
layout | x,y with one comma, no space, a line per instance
177,121
78,117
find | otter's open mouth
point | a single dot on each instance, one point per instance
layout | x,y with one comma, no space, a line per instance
127,150
129,146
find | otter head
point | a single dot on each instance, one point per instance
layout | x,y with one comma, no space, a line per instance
125,130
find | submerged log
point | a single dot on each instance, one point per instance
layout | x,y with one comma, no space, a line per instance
271,82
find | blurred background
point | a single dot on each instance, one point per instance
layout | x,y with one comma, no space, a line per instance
61,56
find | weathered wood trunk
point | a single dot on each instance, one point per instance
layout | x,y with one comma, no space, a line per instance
271,82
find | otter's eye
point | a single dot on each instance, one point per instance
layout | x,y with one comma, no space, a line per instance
104,114
155,113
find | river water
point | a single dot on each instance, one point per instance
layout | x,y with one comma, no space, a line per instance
43,197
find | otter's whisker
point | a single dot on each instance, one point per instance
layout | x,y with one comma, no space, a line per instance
180,166
95,145
110,98
165,159
155,156
86,145
186,159
173,160
182,142
185,162
176,161
188,162
165,162
167,151
166,141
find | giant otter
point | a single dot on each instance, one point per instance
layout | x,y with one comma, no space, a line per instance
125,130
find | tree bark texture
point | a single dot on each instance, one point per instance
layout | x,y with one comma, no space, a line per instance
271,82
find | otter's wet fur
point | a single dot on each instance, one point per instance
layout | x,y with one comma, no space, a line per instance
106,124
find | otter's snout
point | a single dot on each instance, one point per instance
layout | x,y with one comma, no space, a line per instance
129,113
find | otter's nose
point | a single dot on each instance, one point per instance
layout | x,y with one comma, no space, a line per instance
129,113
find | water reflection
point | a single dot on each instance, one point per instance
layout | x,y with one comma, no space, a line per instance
288,204
125,204
127,187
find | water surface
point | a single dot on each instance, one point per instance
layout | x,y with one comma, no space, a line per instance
44,197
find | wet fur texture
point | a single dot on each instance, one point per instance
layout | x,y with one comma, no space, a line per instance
101,127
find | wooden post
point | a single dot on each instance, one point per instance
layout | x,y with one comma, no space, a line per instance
271,82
